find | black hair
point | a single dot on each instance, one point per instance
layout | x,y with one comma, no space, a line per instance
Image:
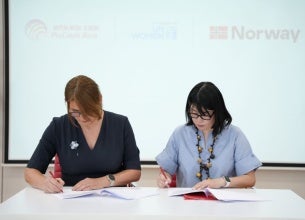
206,96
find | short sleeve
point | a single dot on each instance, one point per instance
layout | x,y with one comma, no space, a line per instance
245,160
45,150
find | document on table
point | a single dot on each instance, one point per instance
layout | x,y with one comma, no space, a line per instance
128,193
223,194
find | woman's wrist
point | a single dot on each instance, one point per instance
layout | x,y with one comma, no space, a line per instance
226,181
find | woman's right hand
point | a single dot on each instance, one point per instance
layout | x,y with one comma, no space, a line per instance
44,182
53,185
164,179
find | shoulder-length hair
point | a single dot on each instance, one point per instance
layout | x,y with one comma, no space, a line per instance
85,92
206,96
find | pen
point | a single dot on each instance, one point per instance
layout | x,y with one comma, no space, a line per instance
163,173
52,174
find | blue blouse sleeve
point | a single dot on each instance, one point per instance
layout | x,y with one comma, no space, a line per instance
245,160
168,158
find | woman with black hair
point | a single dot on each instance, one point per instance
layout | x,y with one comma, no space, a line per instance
207,151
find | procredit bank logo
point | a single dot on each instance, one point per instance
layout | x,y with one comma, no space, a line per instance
244,33
36,29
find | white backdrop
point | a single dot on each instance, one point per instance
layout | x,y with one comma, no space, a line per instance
147,55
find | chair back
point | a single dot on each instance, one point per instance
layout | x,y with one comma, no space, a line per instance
57,167
173,183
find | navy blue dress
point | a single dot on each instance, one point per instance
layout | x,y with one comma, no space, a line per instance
115,149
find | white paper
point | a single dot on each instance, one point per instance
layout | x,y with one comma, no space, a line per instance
128,193
224,194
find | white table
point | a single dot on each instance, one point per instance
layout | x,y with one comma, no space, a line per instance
34,204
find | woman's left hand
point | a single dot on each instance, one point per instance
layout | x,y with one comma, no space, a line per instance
88,184
211,183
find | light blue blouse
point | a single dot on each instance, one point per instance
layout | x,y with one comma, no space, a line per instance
233,155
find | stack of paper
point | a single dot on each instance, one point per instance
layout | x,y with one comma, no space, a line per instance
224,194
118,192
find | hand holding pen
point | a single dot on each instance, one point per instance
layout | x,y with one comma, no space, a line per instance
164,179
59,181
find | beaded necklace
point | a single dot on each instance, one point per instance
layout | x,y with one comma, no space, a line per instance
204,166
